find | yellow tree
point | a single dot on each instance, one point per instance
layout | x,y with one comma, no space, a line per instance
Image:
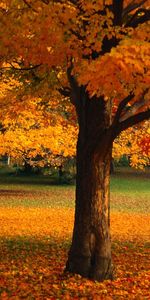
102,49
135,144
35,134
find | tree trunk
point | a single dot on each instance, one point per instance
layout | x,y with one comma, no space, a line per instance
60,174
8,160
90,252
27,167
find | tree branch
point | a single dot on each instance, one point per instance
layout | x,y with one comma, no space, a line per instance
46,1
133,121
75,2
20,69
30,6
132,6
74,85
65,91
141,16
134,108
117,10
121,106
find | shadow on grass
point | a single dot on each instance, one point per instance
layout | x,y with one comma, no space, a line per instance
130,173
34,180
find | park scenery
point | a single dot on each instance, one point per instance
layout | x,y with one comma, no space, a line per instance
74,149
36,222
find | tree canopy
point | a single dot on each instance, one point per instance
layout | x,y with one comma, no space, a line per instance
45,40
83,39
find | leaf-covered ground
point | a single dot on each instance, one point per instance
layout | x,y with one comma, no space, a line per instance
35,234
34,245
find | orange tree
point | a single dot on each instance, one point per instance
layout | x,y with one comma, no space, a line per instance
100,53
31,137
37,134
135,144
39,146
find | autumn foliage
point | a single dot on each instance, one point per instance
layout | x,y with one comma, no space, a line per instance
135,144
97,55
39,133
41,39
47,137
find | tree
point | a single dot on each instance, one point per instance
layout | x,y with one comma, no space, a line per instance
103,48
135,144
35,135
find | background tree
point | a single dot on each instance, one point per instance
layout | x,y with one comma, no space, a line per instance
39,134
103,48
134,143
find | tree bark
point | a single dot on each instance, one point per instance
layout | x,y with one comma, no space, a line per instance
60,174
90,252
27,167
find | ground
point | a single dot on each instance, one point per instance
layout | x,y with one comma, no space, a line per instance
36,223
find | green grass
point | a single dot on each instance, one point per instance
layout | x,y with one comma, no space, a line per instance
130,191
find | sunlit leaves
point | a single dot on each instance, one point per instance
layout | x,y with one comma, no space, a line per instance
40,145
34,251
135,144
129,68
42,130
52,33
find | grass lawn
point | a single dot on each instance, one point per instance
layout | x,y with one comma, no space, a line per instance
130,192
36,221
